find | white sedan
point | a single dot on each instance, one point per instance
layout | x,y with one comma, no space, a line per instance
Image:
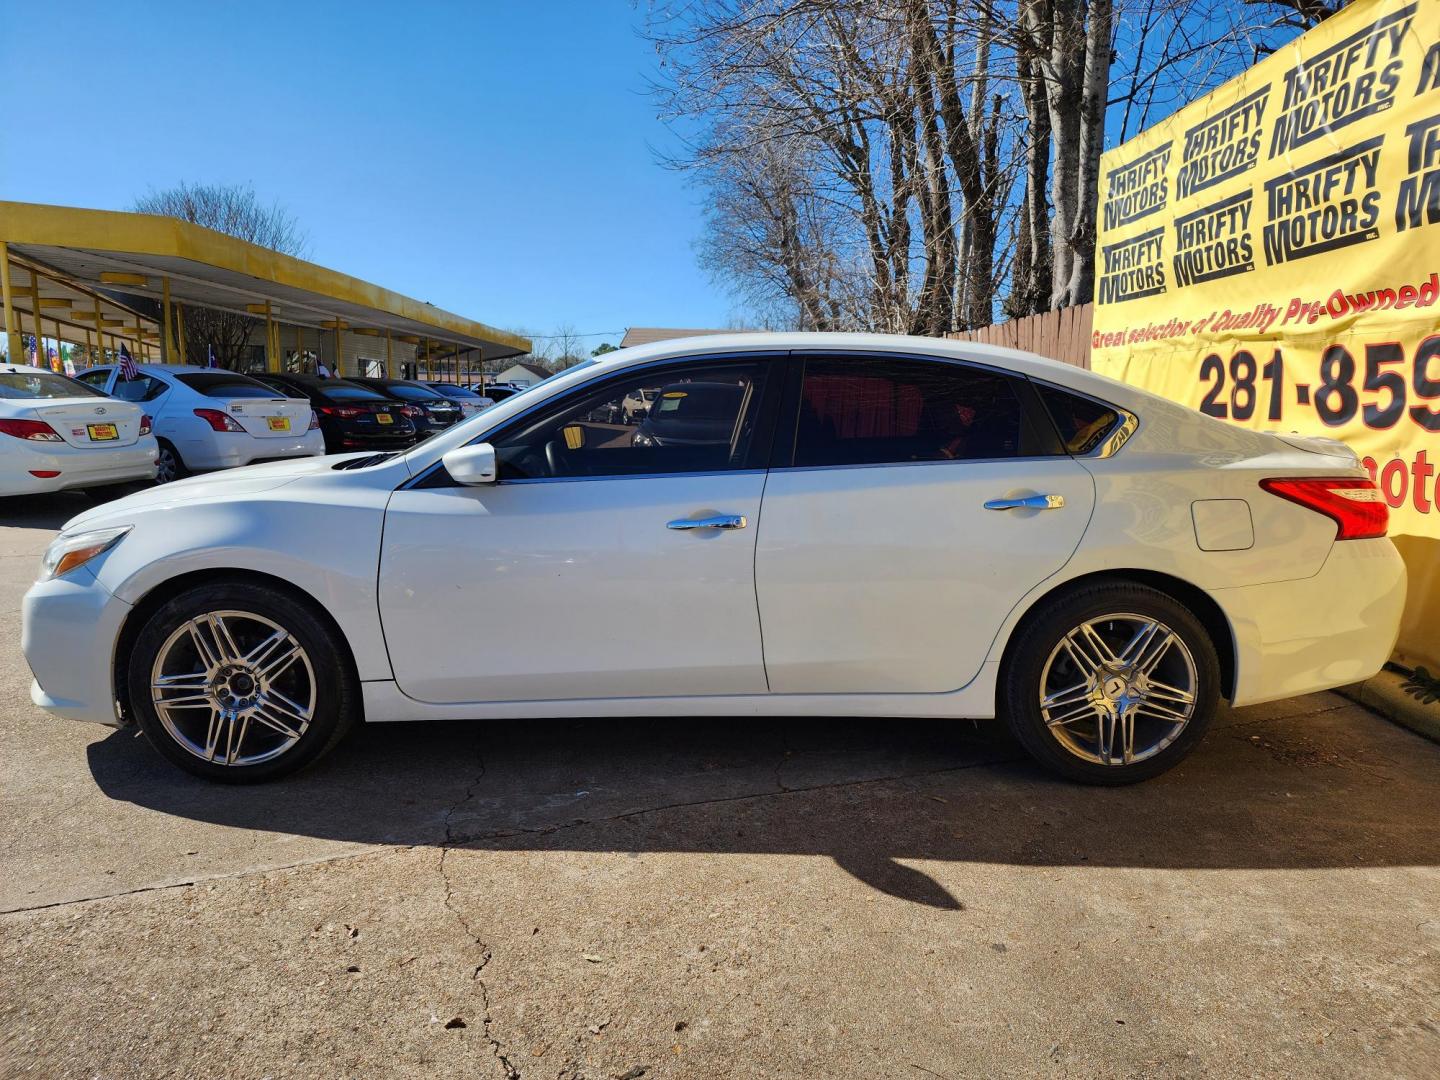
864,526
56,434
209,418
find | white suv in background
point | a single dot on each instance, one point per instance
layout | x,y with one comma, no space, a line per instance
209,418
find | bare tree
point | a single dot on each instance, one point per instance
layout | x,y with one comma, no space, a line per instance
920,165
235,210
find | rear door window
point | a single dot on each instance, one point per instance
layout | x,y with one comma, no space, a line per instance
140,388
878,410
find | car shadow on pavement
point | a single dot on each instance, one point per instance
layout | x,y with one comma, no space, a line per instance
1327,786
53,511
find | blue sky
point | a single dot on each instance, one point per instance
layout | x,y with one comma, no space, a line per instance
494,158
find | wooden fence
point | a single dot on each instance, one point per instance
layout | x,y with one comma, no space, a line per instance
1061,335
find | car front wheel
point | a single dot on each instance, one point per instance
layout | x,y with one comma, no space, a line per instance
238,682
1112,684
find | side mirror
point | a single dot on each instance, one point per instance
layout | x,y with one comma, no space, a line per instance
474,464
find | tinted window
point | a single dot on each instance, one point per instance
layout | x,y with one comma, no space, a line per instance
410,393
140,388
583,437
338,391
225,384
287,389
1082,422
97,379
37,384
872,411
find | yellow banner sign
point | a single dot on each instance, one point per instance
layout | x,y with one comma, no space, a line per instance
1271,256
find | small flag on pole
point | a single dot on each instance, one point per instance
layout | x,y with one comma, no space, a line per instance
128,370
210,356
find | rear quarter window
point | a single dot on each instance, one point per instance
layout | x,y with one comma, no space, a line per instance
1083,423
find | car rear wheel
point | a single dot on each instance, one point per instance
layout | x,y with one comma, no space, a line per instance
239,683
1112,684
168,464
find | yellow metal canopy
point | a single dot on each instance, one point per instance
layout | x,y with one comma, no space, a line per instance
140,254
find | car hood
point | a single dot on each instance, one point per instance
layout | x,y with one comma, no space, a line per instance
232,483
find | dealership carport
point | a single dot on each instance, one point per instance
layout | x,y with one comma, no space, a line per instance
101,278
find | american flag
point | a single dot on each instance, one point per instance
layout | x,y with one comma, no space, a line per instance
128,370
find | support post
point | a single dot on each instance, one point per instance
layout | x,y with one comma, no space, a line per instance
7,291
39,333
167,345
389,356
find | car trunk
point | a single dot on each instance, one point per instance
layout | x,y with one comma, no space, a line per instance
268,418
92,422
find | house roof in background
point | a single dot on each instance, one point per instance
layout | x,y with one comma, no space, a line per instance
644,335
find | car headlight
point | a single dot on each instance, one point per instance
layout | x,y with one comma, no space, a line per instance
68,553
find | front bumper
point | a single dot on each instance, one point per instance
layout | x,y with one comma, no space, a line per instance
1316,633
69,626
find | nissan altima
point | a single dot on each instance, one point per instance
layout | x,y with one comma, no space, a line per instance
863,526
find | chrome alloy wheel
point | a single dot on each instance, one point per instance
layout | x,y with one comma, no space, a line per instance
233,688
1118,689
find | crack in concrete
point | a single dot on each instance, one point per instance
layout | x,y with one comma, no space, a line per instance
446,846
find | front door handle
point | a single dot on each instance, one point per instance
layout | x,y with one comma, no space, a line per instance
719,521
1030,502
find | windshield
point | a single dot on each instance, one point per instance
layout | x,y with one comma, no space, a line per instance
456,392
224,384
39,384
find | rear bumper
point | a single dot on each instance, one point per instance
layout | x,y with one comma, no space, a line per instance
221,453
78,468
1337,627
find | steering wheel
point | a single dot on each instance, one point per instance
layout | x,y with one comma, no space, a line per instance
555,459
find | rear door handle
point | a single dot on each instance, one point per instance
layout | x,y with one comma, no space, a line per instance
719,521
1030,502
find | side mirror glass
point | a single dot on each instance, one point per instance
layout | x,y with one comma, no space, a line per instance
473,464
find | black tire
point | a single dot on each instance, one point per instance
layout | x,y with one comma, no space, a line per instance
171,464
1042,634
336,693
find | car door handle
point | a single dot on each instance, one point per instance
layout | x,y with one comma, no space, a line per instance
1029,502
719,521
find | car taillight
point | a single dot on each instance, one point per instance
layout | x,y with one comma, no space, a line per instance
412,411
314,420
146,422
1355,504
344,412
218,420
34,430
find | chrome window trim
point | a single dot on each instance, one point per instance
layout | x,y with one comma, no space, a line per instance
627,476
927,462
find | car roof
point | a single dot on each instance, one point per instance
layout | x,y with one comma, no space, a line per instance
26,369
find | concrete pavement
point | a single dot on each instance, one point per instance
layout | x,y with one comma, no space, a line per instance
714,899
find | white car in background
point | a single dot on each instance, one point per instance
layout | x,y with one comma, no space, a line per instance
861,526
208,418
56,434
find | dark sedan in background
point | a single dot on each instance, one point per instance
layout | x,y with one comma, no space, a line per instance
434,411
352,417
